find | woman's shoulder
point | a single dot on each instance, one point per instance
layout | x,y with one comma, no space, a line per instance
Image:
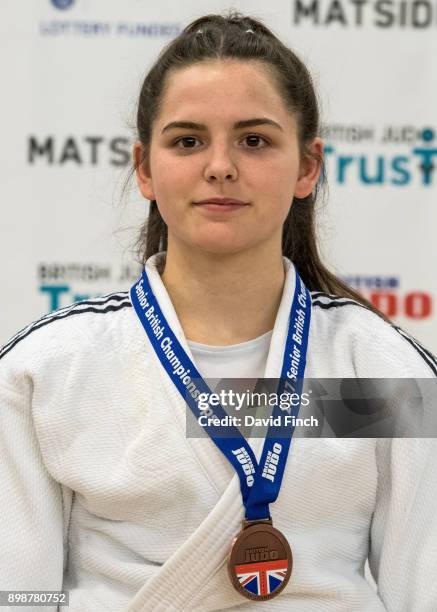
77,325
371,339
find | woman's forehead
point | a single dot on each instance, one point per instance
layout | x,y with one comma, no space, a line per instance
232,90
238,73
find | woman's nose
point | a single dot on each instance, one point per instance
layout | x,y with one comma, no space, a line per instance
221,164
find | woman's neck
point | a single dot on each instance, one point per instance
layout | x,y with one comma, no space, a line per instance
224,299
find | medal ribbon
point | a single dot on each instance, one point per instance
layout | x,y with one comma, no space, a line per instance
260,484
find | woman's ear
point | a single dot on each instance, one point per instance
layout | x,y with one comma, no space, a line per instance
142,171
310,168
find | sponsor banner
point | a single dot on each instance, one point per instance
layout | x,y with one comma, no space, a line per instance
83,19
60,284
378,14
400,156
387,295
68,125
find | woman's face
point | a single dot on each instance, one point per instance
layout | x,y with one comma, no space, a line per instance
258,164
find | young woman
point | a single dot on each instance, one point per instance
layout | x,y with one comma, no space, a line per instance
103,493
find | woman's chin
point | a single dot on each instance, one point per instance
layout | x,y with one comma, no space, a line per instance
215,240
221,246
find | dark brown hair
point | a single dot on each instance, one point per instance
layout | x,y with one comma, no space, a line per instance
234,35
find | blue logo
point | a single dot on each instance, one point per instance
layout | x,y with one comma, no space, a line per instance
415,166
62,4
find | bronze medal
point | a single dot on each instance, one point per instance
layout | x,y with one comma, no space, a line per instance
260,562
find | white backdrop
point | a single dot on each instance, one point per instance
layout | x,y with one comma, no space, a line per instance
71,75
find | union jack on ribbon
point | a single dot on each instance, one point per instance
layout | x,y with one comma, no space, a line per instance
263,577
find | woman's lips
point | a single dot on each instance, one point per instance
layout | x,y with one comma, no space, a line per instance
221,207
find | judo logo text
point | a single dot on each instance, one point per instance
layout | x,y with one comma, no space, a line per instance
272,460
248,467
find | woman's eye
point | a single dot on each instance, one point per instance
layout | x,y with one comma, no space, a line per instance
190,139
253,138
253,141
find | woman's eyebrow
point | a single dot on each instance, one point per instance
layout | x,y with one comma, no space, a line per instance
190,125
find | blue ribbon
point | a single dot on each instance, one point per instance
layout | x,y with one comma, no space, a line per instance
260,484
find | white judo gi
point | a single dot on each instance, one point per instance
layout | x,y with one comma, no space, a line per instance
103,495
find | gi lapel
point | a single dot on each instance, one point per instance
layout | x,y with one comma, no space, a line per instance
196,575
